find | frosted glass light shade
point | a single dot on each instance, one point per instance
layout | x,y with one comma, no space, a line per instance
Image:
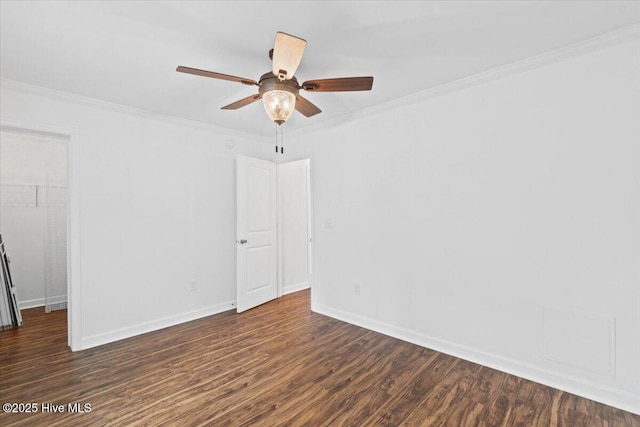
279,105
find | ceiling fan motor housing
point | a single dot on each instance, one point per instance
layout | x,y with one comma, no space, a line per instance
269,82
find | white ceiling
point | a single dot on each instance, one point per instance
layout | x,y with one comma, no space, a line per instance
127,52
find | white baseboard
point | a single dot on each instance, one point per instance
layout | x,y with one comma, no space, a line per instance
154,325
577,386
296,287
39,302
31,303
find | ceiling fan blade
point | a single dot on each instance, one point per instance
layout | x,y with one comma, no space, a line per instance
214,75
287,54
339,85
241,103
304,106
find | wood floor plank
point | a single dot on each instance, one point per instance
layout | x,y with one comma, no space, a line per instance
269,402
498,411
248,362
425,383
354,380
384,381
259,375
101,373
276,365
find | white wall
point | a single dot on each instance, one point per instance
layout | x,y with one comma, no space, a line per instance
293,225
29,165
498,223
156,202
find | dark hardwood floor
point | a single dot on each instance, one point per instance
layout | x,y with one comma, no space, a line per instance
276,365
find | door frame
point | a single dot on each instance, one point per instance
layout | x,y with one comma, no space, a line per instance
309,226
74,278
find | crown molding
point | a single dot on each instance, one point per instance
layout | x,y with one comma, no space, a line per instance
18,86
583,47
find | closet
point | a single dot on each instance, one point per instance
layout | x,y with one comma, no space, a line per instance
33,215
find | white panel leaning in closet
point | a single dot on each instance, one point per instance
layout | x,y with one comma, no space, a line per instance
10,316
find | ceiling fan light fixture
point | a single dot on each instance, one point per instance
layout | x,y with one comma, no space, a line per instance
279,105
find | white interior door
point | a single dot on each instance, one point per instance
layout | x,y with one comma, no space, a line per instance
256,232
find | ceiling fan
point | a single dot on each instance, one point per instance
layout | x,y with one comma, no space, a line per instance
279,89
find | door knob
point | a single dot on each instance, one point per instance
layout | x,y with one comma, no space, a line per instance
243,241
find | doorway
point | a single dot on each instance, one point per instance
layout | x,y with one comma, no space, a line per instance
34,215
294,226
273,230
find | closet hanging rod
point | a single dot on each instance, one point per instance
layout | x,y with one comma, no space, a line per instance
34,185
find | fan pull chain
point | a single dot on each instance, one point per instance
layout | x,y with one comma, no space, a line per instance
281,139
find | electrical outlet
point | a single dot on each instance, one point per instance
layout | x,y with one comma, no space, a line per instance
193,285
356,289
